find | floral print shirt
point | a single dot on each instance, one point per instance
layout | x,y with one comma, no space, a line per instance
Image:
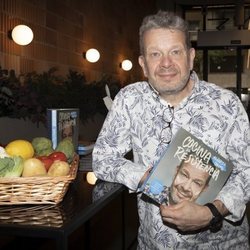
135,123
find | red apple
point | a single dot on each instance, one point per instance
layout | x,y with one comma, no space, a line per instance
46,161
58,156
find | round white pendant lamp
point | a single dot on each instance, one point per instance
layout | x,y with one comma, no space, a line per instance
22,34
126,65
92,55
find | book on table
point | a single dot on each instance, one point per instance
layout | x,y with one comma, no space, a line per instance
188,170
63,123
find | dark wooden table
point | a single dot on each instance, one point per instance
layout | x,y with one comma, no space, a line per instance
81,203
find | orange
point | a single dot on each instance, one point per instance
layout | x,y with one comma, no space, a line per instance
21,148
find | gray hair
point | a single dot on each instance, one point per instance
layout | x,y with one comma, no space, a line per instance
164,20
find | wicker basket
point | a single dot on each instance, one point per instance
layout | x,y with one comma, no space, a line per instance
36,190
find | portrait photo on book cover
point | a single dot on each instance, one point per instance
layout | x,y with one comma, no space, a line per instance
186,174
188,183
67,124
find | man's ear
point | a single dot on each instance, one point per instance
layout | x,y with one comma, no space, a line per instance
141,61
176,171
205,188
177,168
191,57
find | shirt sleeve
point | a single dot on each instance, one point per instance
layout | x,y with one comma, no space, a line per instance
112,145
236,193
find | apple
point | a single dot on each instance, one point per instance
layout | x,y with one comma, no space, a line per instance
57,155
33,167
59,168
47,161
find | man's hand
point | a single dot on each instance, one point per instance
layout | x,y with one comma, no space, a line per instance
186,215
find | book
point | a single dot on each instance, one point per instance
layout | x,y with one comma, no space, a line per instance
63,123
188,170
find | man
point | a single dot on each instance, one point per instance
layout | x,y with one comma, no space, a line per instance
146,115
189,181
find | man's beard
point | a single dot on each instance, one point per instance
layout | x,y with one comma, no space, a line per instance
177,88
175,200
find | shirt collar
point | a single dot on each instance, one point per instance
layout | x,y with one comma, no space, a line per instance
196,89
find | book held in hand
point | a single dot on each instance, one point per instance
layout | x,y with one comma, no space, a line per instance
188,170
63,123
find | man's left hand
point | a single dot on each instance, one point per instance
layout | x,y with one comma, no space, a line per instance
186,215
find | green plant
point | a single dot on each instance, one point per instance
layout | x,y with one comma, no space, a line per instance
28,96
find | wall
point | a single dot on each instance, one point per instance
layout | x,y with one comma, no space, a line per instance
65,29
12,129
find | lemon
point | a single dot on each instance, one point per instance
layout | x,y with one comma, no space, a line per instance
21,148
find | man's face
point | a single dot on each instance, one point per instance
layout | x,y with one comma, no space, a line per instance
188,183
166,61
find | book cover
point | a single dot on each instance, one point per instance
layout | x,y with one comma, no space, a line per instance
188,170
63,123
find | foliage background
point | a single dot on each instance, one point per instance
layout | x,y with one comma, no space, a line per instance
28,96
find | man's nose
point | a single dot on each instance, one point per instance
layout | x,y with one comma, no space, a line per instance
166,61
187,185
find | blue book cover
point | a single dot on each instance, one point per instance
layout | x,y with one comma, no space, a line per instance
188,170
63,123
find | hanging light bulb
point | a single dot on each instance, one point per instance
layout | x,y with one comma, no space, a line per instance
92,55
126,65
22,34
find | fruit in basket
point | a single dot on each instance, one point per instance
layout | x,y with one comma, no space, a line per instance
46,160
58,156
67,147
33,167
11,166
3,152
42,146
21,148
59,168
